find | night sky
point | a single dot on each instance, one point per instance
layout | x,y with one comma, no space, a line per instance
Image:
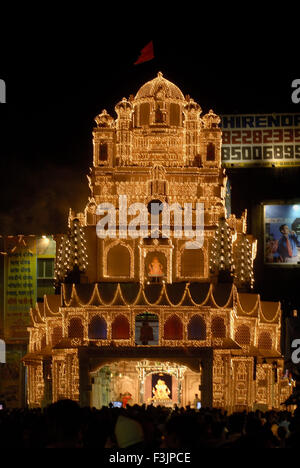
56,88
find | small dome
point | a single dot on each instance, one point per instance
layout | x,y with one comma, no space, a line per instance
123,106
159,88
104,119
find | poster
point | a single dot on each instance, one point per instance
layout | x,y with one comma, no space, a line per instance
268,140
282,234
20,285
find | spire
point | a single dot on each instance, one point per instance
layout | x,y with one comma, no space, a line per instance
72,253
221,258
243,262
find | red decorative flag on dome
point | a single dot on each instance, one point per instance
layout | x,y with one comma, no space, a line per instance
147,53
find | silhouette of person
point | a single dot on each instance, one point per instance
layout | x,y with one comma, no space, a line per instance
146,333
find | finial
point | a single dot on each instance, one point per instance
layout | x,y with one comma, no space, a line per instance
159,75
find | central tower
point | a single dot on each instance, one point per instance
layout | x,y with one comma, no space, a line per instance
159,148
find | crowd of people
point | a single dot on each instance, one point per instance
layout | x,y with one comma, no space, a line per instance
65,424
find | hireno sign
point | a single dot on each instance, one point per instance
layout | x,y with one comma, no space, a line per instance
260,140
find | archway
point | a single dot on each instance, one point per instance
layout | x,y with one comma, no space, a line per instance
146,329
145,381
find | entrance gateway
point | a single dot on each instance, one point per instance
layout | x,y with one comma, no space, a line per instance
144,382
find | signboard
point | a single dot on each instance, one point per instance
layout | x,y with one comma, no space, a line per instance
268,140
20,285
45,247
282,234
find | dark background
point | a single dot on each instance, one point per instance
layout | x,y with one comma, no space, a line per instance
57,85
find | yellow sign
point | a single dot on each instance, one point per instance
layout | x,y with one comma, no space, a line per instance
20,285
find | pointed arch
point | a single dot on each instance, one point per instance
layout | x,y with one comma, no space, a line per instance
196,328
173,328
264,340
97,329
118,260
120,329
242,335
75,328
218,327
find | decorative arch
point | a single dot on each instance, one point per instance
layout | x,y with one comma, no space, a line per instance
173,328
185,259
118,260
97,329
120,329
196,328
75,328
192,263
218,327
264,340
242,335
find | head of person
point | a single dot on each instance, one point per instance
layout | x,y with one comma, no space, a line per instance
284,229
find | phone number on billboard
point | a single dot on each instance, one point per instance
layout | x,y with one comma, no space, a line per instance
259,153
257,137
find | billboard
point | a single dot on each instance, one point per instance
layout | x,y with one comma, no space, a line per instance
266,140
282,234
20,282
45,247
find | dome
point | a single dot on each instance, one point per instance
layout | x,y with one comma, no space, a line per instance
160,88
104,119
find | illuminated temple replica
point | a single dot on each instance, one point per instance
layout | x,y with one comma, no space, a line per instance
147,319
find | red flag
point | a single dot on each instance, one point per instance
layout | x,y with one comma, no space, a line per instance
146,54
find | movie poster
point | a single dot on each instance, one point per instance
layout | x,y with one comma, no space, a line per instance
282,234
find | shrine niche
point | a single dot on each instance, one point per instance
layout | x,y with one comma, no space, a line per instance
156,266
161,387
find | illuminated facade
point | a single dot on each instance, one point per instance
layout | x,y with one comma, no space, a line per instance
142,316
